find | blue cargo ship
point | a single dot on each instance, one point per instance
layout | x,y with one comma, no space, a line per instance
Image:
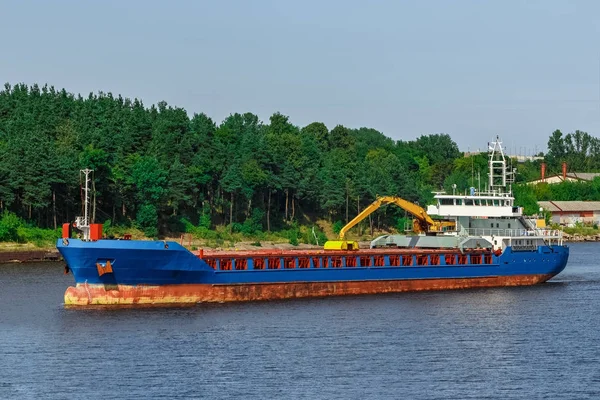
470,240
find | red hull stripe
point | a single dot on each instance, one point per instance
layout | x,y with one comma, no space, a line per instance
84,294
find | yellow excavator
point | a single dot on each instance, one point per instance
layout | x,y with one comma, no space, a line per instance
423,223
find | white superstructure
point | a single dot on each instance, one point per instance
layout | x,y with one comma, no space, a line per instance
496,201
488,218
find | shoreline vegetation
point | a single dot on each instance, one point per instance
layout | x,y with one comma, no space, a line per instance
220,238
161,172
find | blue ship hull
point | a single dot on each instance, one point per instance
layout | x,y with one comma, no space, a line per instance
124,271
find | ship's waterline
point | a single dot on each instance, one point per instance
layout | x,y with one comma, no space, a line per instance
94,294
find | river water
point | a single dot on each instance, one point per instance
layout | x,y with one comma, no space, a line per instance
505,343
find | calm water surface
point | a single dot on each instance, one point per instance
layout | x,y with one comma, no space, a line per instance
531,342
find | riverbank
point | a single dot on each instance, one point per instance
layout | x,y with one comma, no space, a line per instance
581,238
15,252
10,256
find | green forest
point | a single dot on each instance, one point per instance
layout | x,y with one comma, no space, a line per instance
165,171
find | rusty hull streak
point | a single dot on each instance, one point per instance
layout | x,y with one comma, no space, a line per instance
85,294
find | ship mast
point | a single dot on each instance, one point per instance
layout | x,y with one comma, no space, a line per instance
499,175
83,222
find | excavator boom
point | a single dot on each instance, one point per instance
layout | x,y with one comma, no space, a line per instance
418,212
423,222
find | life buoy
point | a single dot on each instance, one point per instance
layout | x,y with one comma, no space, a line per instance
497,252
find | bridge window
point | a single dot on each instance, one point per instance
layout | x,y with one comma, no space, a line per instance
477,203
446,202
459,202
469,202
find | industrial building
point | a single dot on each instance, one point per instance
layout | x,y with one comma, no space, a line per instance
569,213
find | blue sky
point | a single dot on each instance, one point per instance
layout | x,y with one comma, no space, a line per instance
472,69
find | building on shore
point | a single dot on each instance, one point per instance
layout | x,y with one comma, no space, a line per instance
564,176
569,213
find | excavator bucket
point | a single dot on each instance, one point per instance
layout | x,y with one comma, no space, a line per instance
341,245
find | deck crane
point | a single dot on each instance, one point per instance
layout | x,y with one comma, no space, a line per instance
423,223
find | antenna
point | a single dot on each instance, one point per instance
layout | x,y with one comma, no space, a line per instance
472,172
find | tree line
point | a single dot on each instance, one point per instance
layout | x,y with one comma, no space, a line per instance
161,170
156,166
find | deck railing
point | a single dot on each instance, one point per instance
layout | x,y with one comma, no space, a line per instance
546,233
451,258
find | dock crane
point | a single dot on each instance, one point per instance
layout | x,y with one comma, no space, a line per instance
423,223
